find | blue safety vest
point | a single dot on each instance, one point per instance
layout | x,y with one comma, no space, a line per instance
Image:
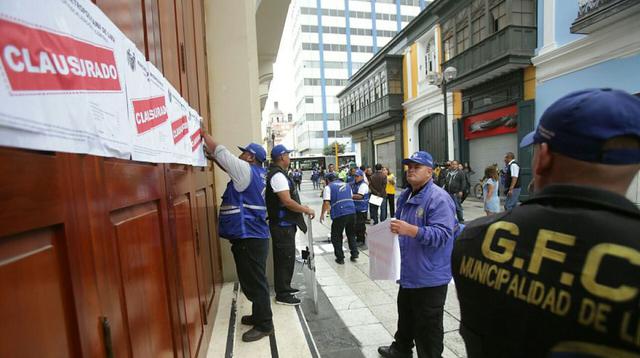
244,214
341,199
362,204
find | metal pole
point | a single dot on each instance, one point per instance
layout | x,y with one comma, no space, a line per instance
446,117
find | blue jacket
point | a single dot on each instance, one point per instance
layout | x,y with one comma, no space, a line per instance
243,214
425,261
341,199
362,205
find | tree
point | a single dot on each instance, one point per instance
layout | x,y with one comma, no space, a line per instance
331,149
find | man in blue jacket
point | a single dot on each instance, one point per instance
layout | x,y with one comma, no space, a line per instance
243,221
338,198
425,224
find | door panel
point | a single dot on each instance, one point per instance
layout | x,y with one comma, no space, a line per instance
206,251
128,16
187,256
191,93
433,136
138,237
35,296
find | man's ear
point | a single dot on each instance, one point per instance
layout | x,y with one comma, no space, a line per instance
544,160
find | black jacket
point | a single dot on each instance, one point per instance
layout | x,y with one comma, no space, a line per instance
455,183
563,267
274,206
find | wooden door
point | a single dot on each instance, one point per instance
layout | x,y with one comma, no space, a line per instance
48,294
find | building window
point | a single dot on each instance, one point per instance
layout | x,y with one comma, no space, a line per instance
395,87
447,44
478,29
383,80
499,17
463,40
524,13
376,86
430,59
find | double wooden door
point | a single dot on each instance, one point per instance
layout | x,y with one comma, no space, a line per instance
102,256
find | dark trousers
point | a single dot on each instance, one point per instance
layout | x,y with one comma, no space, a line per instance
459,213
250,256
420,312
373,213
392,205
339,225
359,227
284,258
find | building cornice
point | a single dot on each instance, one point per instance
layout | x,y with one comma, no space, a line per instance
618,40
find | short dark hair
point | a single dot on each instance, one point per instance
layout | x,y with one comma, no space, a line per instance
378,166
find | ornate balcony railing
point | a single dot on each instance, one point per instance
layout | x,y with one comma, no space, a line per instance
586,7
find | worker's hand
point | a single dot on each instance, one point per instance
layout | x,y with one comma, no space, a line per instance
321,217
208,141
310,212
402,227
510,192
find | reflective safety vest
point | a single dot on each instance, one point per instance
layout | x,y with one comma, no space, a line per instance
362,204
341,199
243,214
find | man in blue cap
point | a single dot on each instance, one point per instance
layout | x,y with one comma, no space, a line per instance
285,214
558,275
243,221
426,225
338,198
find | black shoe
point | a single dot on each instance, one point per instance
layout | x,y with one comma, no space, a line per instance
340,261
248,320
354,258
255,334
289,301
392,352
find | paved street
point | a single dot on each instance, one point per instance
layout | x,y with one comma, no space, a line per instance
358,314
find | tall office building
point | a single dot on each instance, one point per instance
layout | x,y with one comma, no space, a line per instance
328,41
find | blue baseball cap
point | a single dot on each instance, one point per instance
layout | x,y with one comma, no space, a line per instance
279,150
255,149
578,124
330,176
419,157
359,173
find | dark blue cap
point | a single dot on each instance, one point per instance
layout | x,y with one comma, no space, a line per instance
578,124
330,176
279,150
359,173
420,157
255,149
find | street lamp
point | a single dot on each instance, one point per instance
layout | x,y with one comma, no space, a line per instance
441,80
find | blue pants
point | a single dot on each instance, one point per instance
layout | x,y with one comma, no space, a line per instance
459,211
512,201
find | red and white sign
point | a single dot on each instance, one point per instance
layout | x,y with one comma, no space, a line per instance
62,79
196,139
39,60
149,113
492,123
179,129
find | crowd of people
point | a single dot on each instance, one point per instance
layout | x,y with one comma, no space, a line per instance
554,277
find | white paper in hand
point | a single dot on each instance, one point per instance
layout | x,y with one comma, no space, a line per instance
384,252
375,200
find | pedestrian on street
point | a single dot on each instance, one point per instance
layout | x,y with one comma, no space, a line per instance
467,183
243,221
337,197
454,185
378,187
511,179
442,176
426,223
391,192
315,178
360,191
490,189
285,216
562,268
297,176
